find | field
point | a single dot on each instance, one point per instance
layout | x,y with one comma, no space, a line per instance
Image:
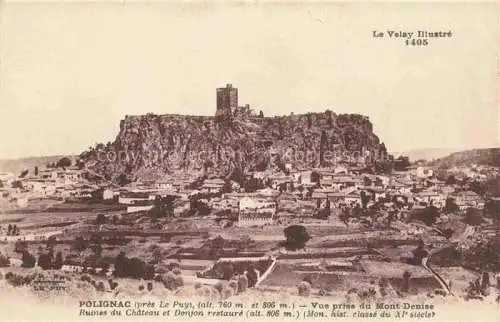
337,260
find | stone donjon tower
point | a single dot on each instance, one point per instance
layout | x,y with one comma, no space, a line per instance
227,100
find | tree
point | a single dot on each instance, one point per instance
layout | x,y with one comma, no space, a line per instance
296,237
97,250
123,180
4,261
80,244
406,281
51,242
365,198
169,205
20,246
419,253
63,162
121,262
451,180
196,206
479,187
329,118
323,213
17,184
100,219
135,268
323,146
29,260
261,114
473,217
251,275
450,206
159,209
401,163
216,246
227,271
429,215
45,261
58,262
315,177
24,174
36,171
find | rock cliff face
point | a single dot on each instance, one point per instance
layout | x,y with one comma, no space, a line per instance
149,146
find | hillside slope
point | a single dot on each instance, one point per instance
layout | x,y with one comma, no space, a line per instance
489,157
16,166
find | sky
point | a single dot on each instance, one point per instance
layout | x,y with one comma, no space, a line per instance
70,72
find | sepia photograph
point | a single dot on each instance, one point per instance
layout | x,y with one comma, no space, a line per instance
262,160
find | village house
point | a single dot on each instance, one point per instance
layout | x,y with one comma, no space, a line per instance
254,211
431,197
423,172
42,187
353,198
281,181
322,195
133,197
212,186
341,169
47,174
304,177
326,182
69,175
108,194
341,182
376,193
466,199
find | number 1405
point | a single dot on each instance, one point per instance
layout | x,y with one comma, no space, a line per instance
417,42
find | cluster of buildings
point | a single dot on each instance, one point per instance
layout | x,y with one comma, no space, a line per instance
341,187
49,183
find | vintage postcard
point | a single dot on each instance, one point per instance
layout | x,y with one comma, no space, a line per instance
257,161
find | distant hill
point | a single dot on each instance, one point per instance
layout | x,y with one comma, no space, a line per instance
16,166
489,157
426,154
